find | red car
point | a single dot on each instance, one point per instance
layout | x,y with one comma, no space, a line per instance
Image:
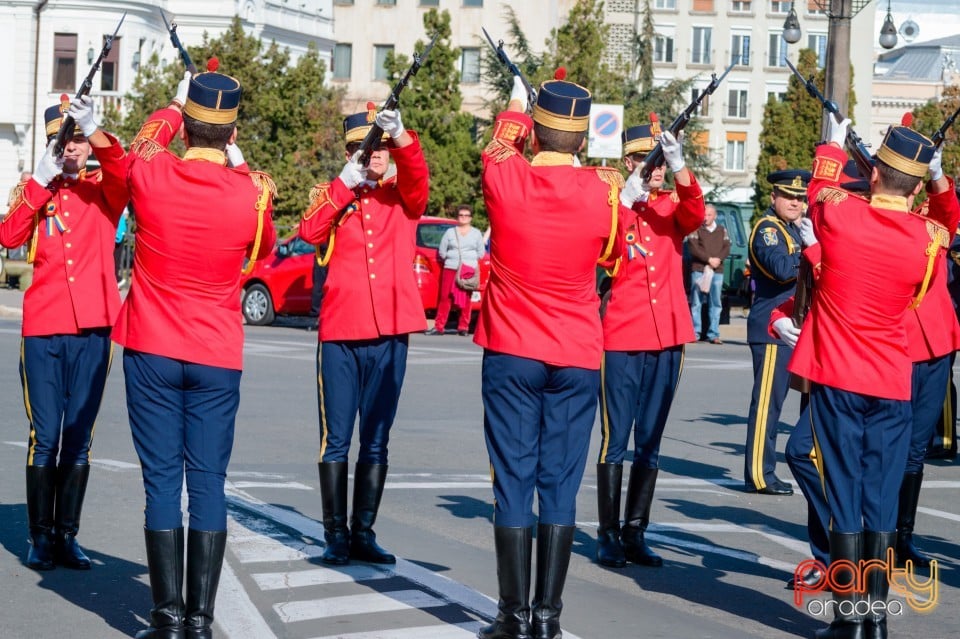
281,283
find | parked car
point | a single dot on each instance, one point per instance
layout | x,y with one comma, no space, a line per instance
281,283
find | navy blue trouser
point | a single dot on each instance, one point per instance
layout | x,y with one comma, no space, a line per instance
771,381
365,377
536,421
805,465
182,418
63,377
637,391
862,442
930,385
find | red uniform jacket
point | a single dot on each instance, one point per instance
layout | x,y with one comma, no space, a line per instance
550,223
73,223
855,337
648,308
196,222
371,289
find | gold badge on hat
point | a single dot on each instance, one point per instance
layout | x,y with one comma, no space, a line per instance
797,183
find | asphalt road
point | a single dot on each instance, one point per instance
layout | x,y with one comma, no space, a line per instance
727,553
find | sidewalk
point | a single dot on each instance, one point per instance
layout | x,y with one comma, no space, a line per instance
11,303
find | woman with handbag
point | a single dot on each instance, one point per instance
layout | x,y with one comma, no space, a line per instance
460,251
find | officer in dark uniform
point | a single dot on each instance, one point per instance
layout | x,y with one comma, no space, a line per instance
775,245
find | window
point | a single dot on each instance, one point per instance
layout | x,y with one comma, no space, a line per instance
470,66
818,42
814,8
473,3
663,47
64,61
429,3
740,48
350,2
342,60
387,2
778,50
703,6
704,110
777,92
779,6
701,45
737,103
665,4
736,150
740,6
109,66
380,52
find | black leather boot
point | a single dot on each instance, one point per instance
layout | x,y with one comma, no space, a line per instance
637,516
553,557
847,622
609,546
368,481
333,496
204,559
514,548
906,517
165,562
71,487
875,545
41,496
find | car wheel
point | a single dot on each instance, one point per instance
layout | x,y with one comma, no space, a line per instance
257,306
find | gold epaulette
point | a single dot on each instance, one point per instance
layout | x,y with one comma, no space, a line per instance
319,196
836,195
263,181
498,150
17,194
610,175
146,148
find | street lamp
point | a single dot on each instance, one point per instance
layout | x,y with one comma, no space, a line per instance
888,32
791,26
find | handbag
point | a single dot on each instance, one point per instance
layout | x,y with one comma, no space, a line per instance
470,283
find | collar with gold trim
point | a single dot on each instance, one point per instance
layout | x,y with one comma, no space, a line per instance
891,202
207,154
552,158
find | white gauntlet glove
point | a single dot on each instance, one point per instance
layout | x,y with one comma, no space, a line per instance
519,93
389,121
936,165
82,113
672,150
353,173
837,131
787,331
635,189
234,155
48,168
807,236
182,88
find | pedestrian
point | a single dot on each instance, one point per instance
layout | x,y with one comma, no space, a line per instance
853,347
198,218
551,223
645,327
461,249
775,245
69,217
709,246
119,246
371,305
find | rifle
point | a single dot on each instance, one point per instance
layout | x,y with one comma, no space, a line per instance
175,39
505,60
802,299
941,134
371,142
853,144
69,125
655,157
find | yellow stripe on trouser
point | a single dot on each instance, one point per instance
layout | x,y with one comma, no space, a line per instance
26,405
604,415
763,408
949,421
323,412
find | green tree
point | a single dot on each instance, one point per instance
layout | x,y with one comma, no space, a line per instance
931,116
643,49
431,106
288,124
496,75
579,46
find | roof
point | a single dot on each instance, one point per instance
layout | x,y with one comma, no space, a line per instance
920,62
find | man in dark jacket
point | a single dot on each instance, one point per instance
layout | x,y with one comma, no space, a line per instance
709,246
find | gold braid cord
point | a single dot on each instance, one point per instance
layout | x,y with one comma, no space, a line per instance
940,239
832,195
34,239
615,180
267,189
147,148
498,150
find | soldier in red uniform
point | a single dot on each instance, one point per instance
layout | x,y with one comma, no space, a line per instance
540,378
197,221
368,218
854,350
69,215
646,324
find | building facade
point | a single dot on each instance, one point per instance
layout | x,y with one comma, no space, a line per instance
49,46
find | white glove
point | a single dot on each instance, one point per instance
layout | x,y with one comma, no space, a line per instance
48,167
837,131
234,155
936,165
635,189
82,113
353,173
519,93
807,236
182,88
389,121
672,150
787,331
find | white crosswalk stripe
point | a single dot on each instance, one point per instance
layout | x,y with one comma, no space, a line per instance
321,576
459,631
352,605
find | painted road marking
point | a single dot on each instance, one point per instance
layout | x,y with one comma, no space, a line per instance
322,576
458,631
353,605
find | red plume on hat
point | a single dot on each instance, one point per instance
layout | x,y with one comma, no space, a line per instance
907,119
64,102
213,64
560,73
655,129
371,111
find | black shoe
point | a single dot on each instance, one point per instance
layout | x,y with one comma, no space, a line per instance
433,331
462,333
811,578
776,487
